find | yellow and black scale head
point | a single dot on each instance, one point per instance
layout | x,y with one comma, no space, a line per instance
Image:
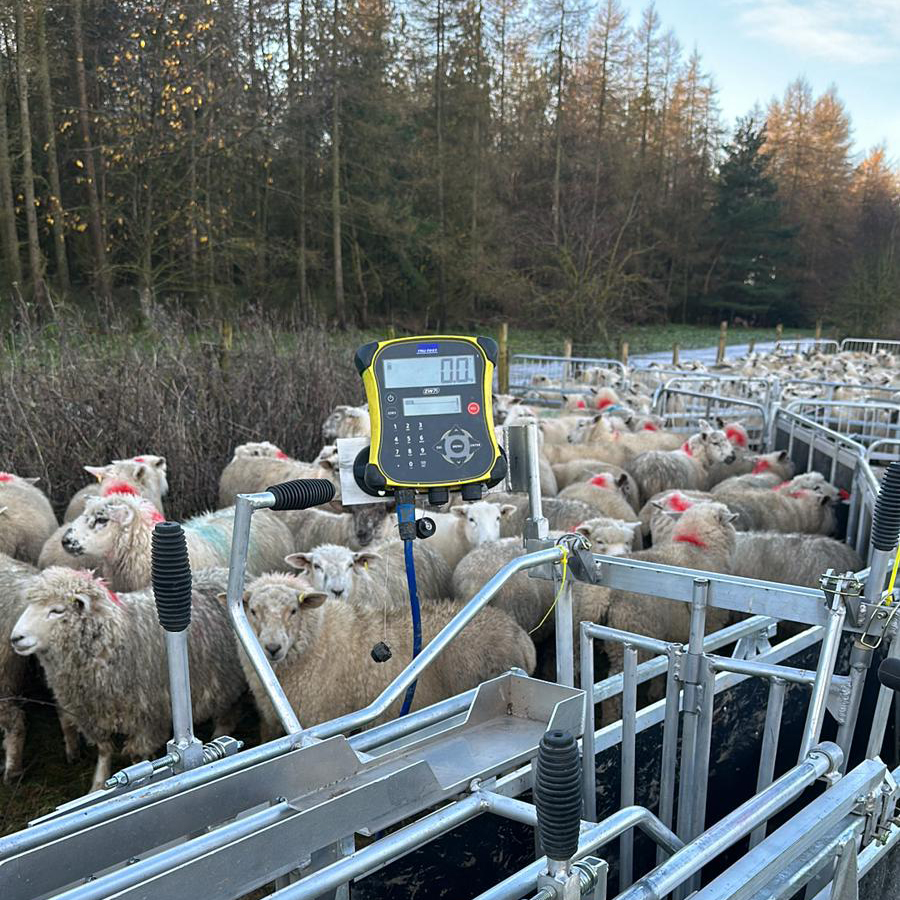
432,417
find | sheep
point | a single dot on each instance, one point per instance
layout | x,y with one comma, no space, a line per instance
801,511
321,651
604,493
143,475
812,481
346,422
744,461
26,518
656,514
105,658
585,469
688,467
117,532
467,526
557,431
561,514
769,470
610,537
603,428
508,410
703,539
372,578
524,598
792,558
14,576
356,529
249,473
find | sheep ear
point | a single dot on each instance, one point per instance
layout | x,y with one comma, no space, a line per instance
583,529
705,427
720,423
658,504
364,557
633,525
506,509
121,513
31,480
672,514
597,418
326,464
726,516
141,472
160,463
460,511
825,500
3,509
622,480
311,599
300,561
516,401
97,471
782,456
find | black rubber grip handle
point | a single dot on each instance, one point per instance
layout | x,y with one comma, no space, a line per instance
302,493
170,575
557,794
886,521
889,673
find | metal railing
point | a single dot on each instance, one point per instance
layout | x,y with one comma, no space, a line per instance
682,409
869,345
806,345
543,379
865,421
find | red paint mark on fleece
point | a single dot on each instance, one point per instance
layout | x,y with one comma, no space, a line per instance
280,454
87,575
649,426
689,539
582,404
120,487
139,459
736,436
603,402
686,448
5,476
601,481
844,495
781,487
677,503
762,465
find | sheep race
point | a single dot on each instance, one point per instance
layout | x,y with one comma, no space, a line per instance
663,466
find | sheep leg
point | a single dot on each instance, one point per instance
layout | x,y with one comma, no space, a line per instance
70,736
13,725
104,766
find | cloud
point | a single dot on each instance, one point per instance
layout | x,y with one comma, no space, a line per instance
842,32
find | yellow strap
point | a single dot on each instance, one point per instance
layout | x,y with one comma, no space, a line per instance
886,599
562,584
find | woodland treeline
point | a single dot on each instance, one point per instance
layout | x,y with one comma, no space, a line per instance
426,161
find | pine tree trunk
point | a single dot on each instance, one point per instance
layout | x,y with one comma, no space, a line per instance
336,176
98,238
8,231
56,208
35,261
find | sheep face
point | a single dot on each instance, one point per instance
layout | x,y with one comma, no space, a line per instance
369,522
481,520
609,536
260,448
332,569
714,443
59,599
95,531
275,612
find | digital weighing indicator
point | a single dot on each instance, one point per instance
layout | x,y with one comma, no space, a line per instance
432,419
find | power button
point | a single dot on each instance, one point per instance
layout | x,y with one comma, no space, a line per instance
473,408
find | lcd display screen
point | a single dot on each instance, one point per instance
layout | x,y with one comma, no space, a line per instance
429,371
431,406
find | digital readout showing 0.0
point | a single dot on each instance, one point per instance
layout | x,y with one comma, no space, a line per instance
431,371
447,405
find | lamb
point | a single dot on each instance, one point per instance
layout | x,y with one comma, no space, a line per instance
14,576
117,530
373,578
105,659
467,526
801,511
250,472
561,514
657,515
584,470
346,422
812,481
703,539
769,470
792,558
321,651
603,493
356,529
26,518
744,461
610,537
687,468
145,476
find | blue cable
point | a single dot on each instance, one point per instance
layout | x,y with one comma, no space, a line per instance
416,618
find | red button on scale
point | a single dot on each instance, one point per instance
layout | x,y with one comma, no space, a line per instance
474,408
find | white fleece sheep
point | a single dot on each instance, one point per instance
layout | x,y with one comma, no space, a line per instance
145,476
26,518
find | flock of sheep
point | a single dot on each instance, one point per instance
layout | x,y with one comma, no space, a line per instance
325,585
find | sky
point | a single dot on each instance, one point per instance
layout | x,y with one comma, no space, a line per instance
754,48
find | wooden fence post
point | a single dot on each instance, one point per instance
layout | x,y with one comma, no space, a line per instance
676,357
624,353
818,330
779,331
503,359
723,337
567,367
751,346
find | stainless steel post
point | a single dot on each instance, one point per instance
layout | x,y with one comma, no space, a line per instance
831,642
668,760
629,732
771,734
187,748
588,755
244,506
860,660
692,700
882,708
564,625
537,527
